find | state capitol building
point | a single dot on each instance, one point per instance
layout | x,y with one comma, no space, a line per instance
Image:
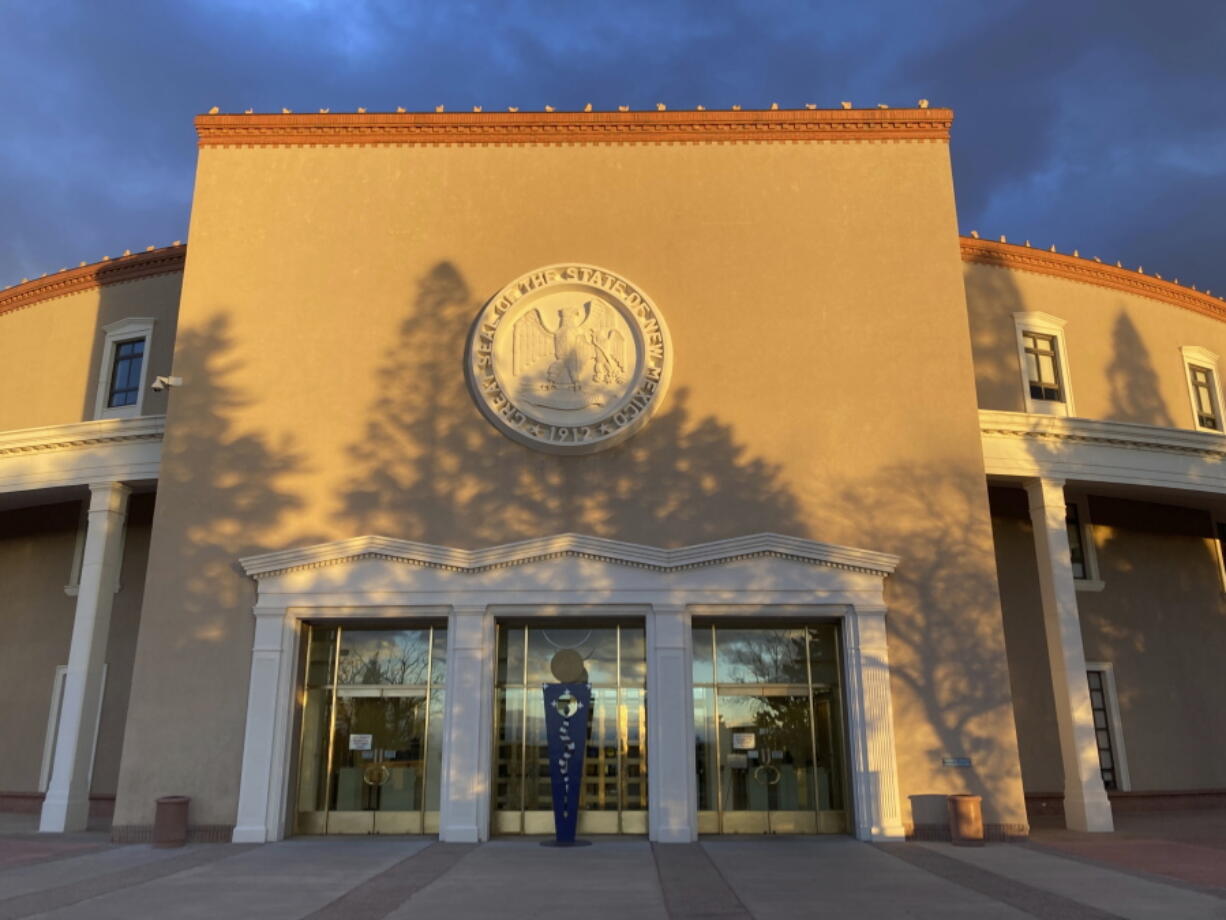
843,512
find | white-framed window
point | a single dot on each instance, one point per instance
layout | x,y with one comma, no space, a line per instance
1108,728
1083,558
123,370
1043,356
53,727
1201,373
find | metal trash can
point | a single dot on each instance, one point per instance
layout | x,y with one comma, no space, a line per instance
966,820
170,821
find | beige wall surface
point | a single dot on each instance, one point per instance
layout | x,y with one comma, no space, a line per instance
36,557
1160,621
36,547
51,352
821,388
1123,349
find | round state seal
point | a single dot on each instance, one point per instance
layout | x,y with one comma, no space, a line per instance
569,359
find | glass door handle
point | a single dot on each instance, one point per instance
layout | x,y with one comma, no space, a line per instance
772,777
376,774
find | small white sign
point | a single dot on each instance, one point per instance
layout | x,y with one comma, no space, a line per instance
738,762
360,742
744,741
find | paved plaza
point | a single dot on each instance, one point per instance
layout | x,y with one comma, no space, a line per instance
1154,867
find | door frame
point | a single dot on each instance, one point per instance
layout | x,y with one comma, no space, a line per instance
758,576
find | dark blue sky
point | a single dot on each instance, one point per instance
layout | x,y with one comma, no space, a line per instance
1092,125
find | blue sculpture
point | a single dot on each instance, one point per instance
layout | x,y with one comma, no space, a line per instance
567,708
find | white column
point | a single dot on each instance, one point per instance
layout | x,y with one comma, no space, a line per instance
871,726
671,774
263,777
467,726
66,806
1086,807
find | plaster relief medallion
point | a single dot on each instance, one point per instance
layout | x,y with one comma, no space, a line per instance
569,359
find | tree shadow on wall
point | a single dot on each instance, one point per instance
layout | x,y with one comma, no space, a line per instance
1135,393
432,468
229,477
948,667
220,494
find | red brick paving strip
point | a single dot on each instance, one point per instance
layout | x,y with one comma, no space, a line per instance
381,894
1201,866
693,886
1045,905
37,902
14,853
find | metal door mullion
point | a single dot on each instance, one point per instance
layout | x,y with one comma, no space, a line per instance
425,748
812,727
336,670
621,739
523,742
719,770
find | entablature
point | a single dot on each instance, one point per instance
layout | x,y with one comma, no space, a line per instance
107,450
1020,445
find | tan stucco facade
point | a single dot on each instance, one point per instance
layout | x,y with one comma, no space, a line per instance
832,344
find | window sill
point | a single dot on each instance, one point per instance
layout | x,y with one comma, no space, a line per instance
1089,584
1058,408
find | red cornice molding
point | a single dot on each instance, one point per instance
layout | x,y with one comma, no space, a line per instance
483,128
1086,271
162,261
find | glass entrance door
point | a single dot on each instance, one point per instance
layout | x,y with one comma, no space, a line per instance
370,759
768,726
614,799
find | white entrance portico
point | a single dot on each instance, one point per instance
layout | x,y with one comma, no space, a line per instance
762,576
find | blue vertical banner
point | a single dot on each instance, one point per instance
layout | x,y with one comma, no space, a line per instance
567,709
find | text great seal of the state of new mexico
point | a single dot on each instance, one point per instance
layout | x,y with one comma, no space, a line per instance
569,359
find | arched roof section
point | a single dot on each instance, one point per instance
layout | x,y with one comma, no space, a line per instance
128,267
1090,271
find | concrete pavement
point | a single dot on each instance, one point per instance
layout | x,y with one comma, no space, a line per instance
409,878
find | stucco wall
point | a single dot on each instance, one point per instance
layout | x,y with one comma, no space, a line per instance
36,553
1160,620
51,352
822,388
1123,349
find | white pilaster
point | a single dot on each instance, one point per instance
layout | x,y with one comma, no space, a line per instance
1086,807
871,726
262,780
66,806
467,726
671,773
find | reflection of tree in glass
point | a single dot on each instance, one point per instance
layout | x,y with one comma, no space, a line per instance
401,659
762,656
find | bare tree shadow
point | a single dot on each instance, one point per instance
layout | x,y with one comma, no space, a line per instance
948,666
430,467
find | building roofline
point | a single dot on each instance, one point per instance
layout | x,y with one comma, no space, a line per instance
129,267
587,127
1090,271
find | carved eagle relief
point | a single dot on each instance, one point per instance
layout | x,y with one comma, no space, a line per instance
573,364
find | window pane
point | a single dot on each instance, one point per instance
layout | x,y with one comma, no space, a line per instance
761,656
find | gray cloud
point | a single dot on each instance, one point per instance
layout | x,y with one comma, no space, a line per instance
1096,125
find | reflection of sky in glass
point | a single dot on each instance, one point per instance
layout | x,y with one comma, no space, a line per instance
761,656
749,655
597,646
371,657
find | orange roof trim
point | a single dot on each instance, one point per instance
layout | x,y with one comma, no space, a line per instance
1087,271
646,127
164,261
